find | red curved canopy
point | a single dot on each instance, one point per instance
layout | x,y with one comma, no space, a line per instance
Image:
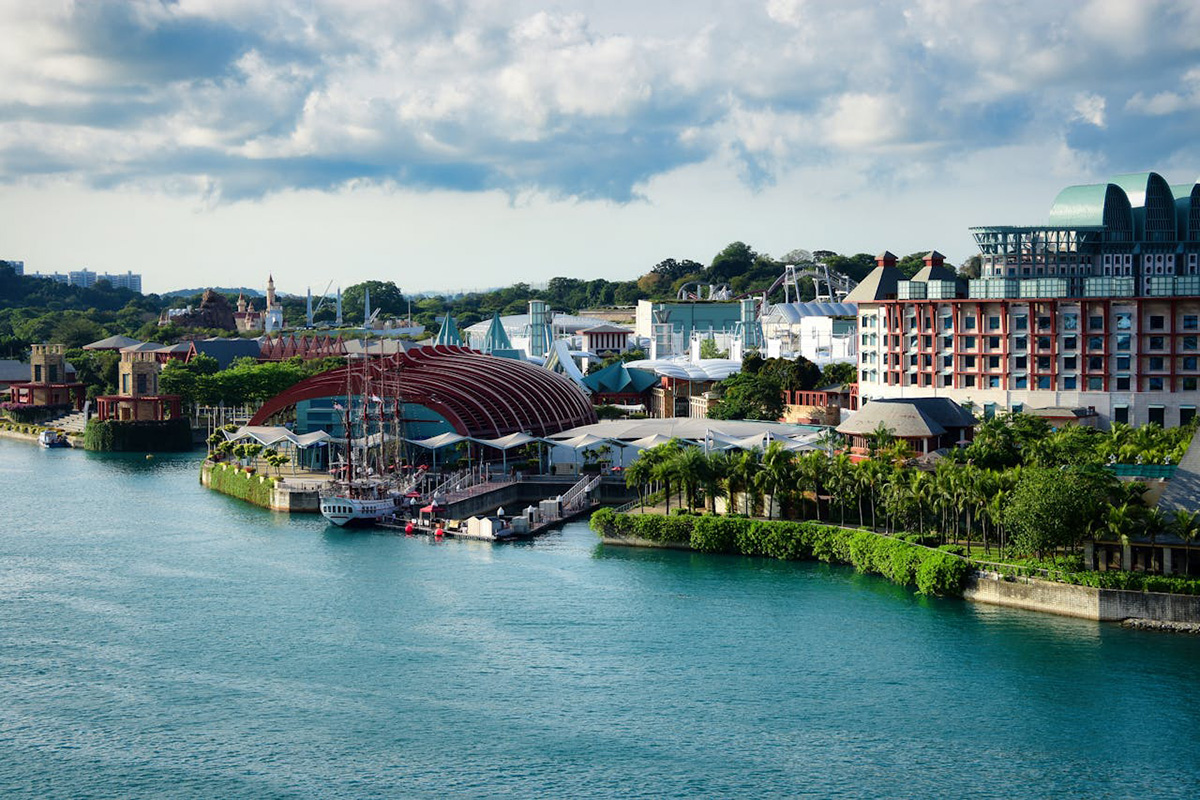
480,395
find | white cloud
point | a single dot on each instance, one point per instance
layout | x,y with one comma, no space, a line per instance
1089,108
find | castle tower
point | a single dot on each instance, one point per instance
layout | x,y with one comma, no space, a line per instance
241,305
273,314
270,291
47,364
138,372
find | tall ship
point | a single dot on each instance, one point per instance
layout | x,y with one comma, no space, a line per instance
365,488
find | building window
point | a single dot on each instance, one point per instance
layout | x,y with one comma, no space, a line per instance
1043,382
1096,322
1043,363
1021,322
1123,362
1124,321
1189,363
1157,322
993,362
993,323
1124,341
1189,384
1095,384
1019,343
1121,414
1186,414
1095,363
1070,383
993,343
969,381
1020,362
947,362
1122,383
968,362
1070,362
1070,322
947,323
947,342
1043,343
1069,343
1020,382
994,382
1154,384
927,342
1191,322
1155,415
968,342
969,322
1157,342
1188,343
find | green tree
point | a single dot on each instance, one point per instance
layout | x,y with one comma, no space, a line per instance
748,396
735,260
838,373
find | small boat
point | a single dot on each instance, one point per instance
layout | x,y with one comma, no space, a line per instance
49,438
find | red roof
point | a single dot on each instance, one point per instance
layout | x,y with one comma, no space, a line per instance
480,395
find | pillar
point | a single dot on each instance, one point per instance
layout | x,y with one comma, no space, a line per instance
1126,557
1167,566
1089,555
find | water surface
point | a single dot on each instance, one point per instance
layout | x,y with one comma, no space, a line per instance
157,640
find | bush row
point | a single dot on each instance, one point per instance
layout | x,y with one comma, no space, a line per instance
933,572
228,479
168,436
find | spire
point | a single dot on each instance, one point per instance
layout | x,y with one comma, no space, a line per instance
496,338
449,332
270,291
241,304
366,306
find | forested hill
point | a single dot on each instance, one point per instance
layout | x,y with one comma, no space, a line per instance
23,291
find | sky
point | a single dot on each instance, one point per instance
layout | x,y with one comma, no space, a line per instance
468,144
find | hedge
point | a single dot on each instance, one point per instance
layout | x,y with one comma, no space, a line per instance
933,572
169,436
228,479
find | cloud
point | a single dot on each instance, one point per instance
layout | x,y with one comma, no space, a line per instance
1089,108
250,97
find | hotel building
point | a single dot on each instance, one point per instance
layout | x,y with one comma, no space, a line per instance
1099,309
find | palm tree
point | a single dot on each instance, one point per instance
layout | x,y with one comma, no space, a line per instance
714,475
1186,525
746,467
777,475
879,439
639,473
691,466
811,468
1119,521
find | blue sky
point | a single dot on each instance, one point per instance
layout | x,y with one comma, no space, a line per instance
463,144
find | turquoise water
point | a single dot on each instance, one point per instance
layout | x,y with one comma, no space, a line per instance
159,640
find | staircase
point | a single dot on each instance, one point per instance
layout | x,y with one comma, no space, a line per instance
75,422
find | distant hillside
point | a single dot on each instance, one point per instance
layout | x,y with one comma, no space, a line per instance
218,289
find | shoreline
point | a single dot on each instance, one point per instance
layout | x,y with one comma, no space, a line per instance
1154,611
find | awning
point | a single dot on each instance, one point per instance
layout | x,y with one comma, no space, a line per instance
654,440
439,441
509,442
270,435
581,441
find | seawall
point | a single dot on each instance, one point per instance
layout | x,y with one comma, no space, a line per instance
1085,602
280,496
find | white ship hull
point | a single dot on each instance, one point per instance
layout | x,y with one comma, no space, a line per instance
343,511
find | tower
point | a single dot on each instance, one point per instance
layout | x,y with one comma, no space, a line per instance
241,304
270,291
338,321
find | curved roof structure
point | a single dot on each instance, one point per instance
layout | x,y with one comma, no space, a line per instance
792,313
706,369
1094,205
1187,211
1153,206
478,394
